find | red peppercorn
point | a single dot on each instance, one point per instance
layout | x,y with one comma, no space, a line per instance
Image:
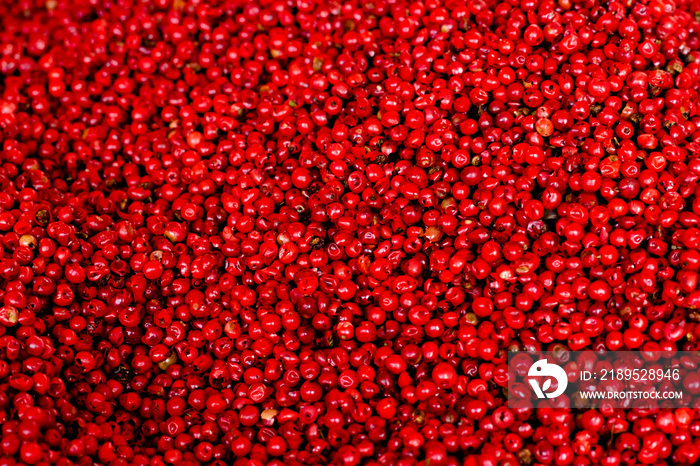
274,233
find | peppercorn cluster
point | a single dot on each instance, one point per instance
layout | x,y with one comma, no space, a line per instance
308,232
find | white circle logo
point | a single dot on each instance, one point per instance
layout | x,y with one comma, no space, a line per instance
543,369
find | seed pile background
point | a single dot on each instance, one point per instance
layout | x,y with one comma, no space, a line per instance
298,232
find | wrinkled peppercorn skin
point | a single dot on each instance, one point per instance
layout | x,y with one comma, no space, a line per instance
298,232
